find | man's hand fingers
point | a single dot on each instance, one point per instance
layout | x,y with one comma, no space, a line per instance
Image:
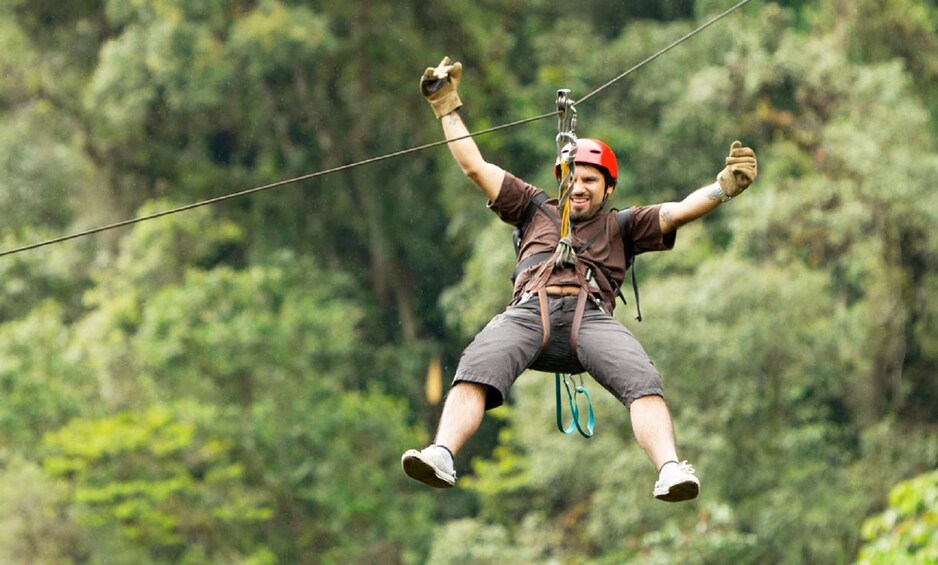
443,69
745,160
455,71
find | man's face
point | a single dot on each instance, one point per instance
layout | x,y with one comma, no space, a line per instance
588,193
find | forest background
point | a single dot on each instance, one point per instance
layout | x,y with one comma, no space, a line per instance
236,383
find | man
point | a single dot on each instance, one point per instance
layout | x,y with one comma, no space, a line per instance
561,316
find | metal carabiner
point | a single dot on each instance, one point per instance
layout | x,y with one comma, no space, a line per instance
566,125
567,119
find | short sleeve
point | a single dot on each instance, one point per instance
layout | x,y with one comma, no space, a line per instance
513,199
645,232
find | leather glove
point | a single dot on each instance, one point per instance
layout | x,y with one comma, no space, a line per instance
439,87
741,169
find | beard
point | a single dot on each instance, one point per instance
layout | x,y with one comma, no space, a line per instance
588,213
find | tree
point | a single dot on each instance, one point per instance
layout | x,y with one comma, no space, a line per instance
907,531
782,329
43,380
290,330
162,481
268,361
35,523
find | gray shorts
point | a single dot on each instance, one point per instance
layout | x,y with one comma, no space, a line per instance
511,343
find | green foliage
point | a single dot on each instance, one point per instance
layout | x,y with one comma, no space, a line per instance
154,257
235,383
775,325
27,280
40,175
162,479
256,333
358,510
907,532
43,379
37,525
272,38
485,287
490,543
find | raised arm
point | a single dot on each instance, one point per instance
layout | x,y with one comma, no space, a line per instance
741,169
439,87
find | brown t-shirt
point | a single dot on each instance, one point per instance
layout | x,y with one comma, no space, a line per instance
605,255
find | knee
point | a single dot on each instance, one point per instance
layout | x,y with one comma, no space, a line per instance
648,402
465,391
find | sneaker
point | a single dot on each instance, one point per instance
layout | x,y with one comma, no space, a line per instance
433,465
677,482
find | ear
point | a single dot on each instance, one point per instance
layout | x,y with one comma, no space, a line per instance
609,189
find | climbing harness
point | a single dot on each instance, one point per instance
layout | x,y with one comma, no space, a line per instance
564,256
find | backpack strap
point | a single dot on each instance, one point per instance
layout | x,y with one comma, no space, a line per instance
624,218
537,201
530,261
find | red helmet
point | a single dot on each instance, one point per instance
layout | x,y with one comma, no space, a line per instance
593,152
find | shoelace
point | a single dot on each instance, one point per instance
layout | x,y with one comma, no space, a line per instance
682,466
686,467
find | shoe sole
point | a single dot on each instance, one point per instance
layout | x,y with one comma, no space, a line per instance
681,491
416,468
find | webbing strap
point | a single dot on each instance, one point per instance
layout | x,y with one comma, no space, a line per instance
542,256
529,262
537,202
545,317
638,306
577,319
574,408
624,218
579,389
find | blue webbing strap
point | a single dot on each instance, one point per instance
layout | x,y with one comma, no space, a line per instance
574,409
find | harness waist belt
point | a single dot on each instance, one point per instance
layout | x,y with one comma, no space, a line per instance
565,290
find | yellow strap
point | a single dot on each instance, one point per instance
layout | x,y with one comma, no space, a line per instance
565,209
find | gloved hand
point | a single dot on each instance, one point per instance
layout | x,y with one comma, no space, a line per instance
439,87
741,169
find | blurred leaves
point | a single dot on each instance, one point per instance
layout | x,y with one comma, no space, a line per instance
907,532
236,383
165,484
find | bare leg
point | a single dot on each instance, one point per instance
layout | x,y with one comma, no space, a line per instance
462,414
651,423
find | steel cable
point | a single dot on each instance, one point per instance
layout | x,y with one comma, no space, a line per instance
367,161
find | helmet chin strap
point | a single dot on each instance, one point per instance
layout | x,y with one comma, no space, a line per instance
606,197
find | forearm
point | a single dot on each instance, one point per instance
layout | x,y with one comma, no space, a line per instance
485,175
464,149
741,170
697,204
